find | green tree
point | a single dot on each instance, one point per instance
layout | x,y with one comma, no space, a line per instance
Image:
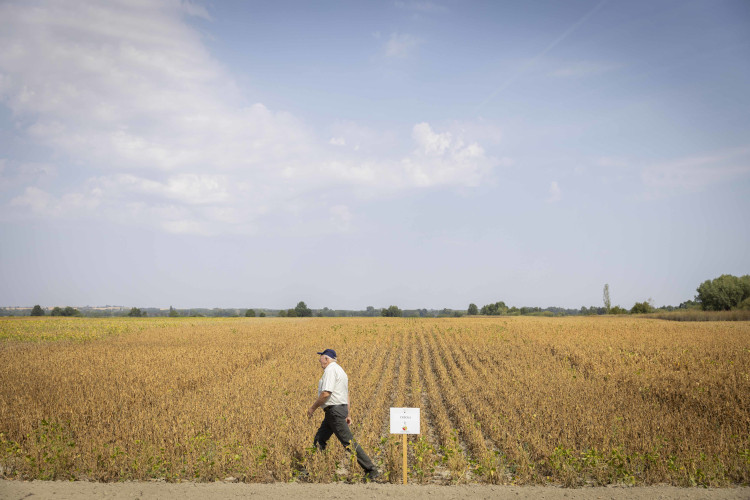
642,308
262,314
282,313
173,312
250,313
71,311
67,311
135,313
605,296
392,312
302,310
291,313
723,293
37,310
473,309
496,309
689,304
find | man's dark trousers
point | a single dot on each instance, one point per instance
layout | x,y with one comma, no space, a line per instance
335,423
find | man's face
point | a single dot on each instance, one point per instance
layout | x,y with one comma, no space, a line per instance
324,361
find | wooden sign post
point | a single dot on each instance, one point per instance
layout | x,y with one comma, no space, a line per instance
405,421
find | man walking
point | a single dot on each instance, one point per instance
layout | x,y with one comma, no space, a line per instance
333,396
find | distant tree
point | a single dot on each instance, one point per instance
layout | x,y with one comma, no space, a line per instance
642,308
282,313
291,313
605,296
371,311
327,313
71,311
618,310
250,313
392,312
302,310
262,314
135,313
173,312
37,310
67,311
473,309
496,309
525,311
723,293
590,311
689,304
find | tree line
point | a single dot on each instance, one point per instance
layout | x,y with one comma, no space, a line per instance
727,292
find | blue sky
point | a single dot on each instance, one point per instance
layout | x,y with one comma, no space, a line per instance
418,153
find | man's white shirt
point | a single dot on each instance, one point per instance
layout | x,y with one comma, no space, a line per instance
335,381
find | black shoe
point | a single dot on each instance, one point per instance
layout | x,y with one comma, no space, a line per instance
372,475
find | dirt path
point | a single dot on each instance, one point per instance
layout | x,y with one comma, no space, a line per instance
59,490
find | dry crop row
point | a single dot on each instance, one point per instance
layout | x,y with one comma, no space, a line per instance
519,400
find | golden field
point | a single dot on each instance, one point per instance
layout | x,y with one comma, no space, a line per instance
573,401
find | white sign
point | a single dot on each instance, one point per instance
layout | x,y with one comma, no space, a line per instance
404,420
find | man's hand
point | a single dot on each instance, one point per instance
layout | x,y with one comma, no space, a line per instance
348,420
319,402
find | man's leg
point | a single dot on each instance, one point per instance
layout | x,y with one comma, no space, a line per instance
344,434
323,435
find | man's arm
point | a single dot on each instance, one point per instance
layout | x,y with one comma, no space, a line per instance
318,402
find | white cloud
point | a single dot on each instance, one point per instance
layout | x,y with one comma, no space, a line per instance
191,189
14,174
442,159
35,199
41,202
555,194
694,174
429,142
401,45
341,217
195,10
127,94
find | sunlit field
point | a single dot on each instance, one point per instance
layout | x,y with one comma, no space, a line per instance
523,400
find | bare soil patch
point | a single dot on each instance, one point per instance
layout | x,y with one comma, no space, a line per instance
80,490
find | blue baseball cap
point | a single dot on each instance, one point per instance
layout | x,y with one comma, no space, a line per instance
329,352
